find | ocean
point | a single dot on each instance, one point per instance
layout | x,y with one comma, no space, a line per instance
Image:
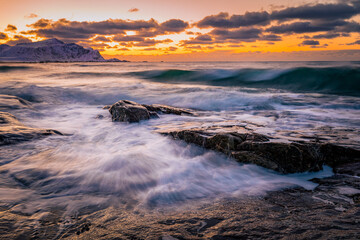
100,162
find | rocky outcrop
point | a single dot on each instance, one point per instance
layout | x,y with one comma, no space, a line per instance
12,131
129,111
284,157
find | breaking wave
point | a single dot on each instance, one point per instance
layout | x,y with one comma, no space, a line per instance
331,80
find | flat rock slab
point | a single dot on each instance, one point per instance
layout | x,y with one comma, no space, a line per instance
129,111
284,157
13,131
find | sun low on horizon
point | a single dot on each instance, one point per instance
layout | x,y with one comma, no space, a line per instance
228,30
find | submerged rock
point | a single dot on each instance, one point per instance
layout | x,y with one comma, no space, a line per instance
284,157
129,111
12,131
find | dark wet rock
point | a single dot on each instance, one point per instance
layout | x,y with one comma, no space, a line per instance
129,111
284,157
166,109
99,116
12,131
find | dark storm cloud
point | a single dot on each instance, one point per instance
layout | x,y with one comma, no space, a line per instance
10,28
299,27
174,26
243,34
223,20
319,11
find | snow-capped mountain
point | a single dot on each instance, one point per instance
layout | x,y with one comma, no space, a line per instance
50,50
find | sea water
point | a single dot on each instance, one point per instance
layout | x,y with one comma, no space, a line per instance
98,161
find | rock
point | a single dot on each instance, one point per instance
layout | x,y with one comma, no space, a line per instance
129,111
166,109
12,131
8,102
284,157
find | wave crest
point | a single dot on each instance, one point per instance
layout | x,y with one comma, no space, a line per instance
332,80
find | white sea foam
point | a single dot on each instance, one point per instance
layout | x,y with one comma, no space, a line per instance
99,161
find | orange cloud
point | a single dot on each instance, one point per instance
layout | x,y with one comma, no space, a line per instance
134,10
10,28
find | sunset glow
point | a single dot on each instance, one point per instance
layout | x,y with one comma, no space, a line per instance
191,30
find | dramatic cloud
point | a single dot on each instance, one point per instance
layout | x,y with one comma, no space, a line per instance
10,28
330,35
332,18
42,23
318,11
76,31
134,10
299,27
174,26
223,20
31,15
3,36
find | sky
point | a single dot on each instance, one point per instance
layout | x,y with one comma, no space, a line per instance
191,30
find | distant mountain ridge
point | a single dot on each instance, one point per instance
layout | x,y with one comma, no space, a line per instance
50,50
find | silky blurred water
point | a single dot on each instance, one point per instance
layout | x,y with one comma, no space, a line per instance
98,160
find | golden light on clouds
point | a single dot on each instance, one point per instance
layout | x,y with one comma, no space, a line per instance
220,32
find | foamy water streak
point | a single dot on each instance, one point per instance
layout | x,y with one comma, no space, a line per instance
101,161
106,159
